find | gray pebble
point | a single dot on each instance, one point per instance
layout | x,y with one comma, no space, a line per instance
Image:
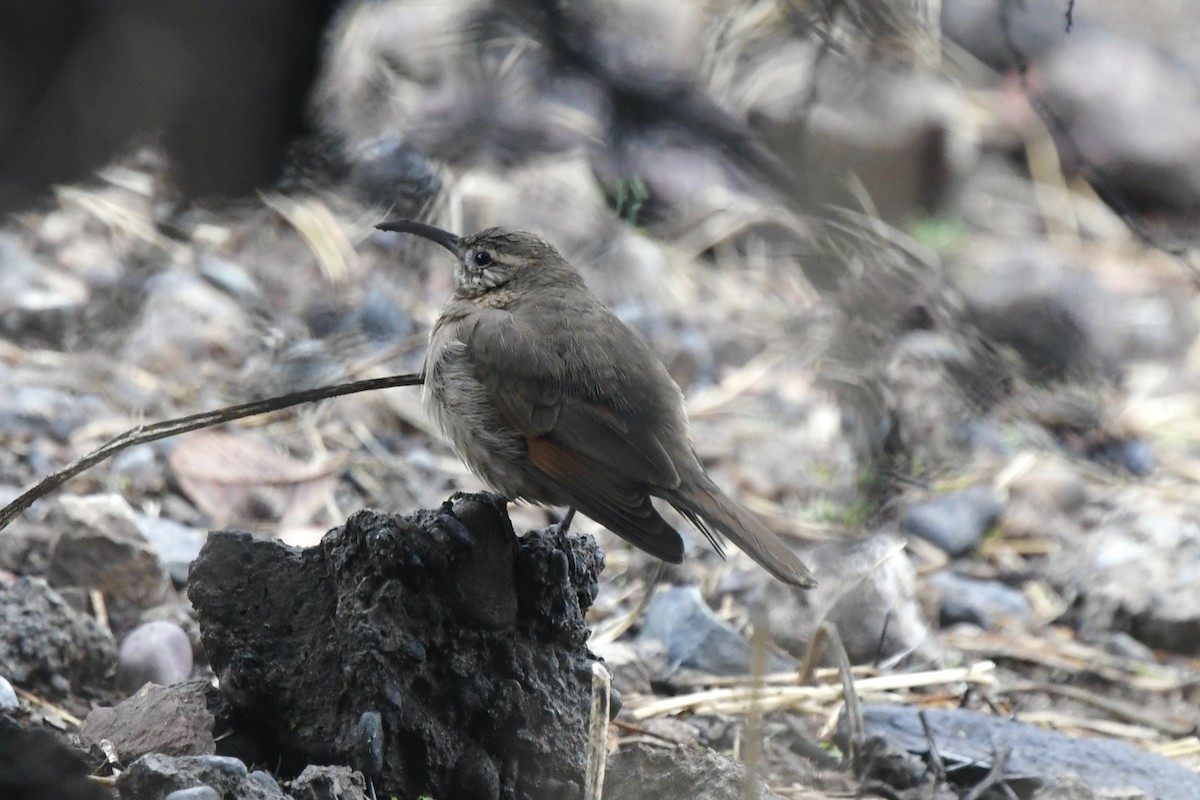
227,764
266,780
201,792
329,783
154,652
697,638
956,522
8,696
979,602
1134,455
176,544
231,278
370,742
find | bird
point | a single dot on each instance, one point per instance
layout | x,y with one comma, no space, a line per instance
548,397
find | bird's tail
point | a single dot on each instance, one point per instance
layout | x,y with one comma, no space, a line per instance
707,507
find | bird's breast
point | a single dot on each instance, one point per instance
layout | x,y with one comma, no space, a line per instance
463,409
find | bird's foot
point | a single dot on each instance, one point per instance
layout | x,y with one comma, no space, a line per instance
561,530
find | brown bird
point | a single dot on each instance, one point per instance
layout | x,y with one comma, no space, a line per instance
549,398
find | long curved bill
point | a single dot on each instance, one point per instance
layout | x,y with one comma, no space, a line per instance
445,238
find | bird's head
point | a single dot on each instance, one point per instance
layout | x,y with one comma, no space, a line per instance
495,259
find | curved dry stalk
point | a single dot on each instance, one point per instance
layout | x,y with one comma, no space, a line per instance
171,427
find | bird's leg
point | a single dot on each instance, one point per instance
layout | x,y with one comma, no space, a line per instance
562,527
563,543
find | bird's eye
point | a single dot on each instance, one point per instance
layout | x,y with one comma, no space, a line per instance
482,258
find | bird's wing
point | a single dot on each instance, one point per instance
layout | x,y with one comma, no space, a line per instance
618,504
596,460
538,383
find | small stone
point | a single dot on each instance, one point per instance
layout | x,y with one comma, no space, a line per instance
103,549
157,775
171,720
1109,767
201,792
1139,562
695,637
8,696
1050,485
615,703
1131,111
956,522
231,278
176,545
1133,455
387,168
184,320
979,602
41,411
36,764
370,742
154,652
47,646
382,319
329,783
24,547
879,617
265,779
224,764
672,729
647,772
139,471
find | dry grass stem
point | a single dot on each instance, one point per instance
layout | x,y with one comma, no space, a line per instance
737,699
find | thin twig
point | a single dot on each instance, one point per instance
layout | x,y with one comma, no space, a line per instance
856,735
935,757
994,777
161,430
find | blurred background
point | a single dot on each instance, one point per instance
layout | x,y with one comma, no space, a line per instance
924,269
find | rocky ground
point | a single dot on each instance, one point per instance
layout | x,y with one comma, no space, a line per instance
935,319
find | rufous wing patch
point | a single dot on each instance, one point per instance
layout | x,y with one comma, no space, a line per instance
595,489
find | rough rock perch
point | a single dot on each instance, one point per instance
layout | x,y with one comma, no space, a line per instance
437,653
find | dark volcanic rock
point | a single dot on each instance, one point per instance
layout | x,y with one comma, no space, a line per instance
1127,118
436,653
102,548
968,743
48,647
155,777
646,772
173,720
35,764
329,783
